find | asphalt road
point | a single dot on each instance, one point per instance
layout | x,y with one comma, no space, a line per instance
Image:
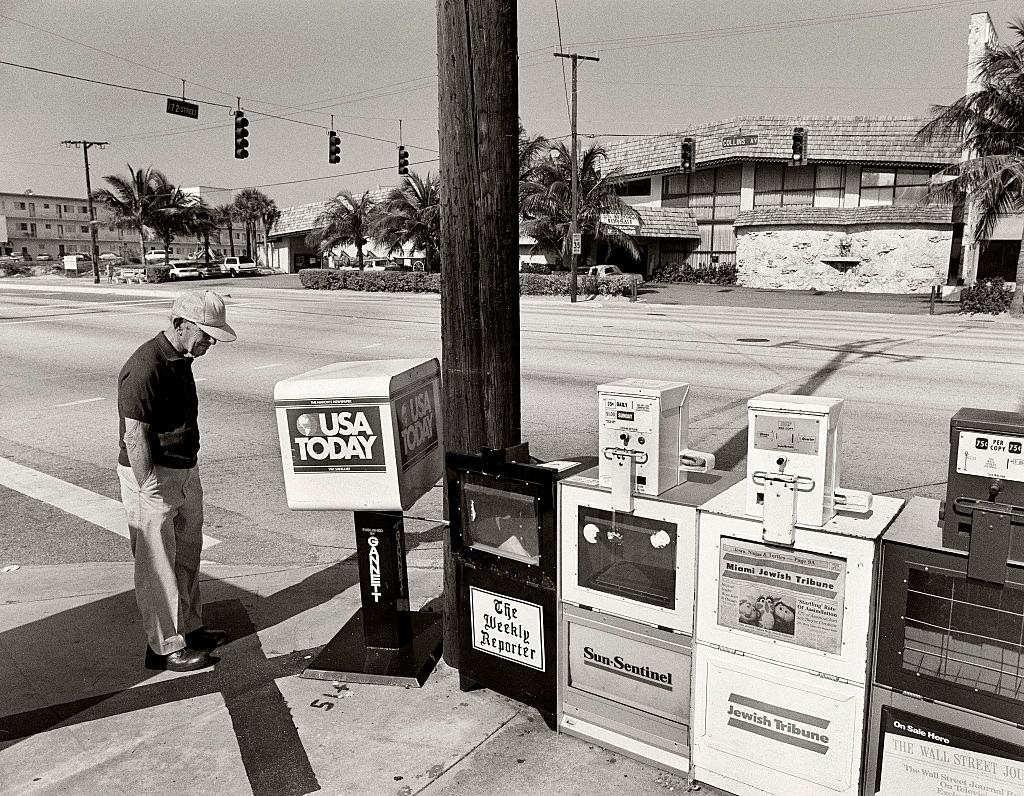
902,376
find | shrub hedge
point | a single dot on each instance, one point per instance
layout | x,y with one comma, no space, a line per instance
714,274
158,273
991,296
556,284
372,281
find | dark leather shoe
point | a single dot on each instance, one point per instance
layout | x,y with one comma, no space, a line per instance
205,638
184,660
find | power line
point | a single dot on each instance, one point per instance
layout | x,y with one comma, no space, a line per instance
565,85
636,42
315,179
204,102
162,72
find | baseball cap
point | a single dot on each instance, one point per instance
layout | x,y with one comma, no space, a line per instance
206,310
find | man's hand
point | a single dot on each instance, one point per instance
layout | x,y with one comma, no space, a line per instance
136,444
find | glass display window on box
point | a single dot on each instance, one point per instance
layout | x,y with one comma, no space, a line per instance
950,638
501,518
627,556
966,632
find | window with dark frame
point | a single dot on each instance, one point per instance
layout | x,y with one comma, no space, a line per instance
900,187
778,185
713,198
640,187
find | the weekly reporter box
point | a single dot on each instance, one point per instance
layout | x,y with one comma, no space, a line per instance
360,436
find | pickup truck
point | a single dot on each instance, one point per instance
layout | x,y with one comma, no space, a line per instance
239,266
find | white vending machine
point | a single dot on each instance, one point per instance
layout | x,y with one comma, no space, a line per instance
784,612
627,576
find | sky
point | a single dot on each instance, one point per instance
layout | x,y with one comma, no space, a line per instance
663,64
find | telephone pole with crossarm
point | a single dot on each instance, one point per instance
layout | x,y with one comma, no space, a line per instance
92,212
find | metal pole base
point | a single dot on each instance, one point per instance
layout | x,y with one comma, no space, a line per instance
347,658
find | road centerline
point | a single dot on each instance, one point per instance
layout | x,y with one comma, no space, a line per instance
76,403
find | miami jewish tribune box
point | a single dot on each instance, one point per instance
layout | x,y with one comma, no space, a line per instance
360,436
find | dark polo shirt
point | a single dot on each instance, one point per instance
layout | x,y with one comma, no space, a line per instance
156,386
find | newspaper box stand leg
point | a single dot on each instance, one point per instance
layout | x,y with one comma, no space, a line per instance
365,437
384,642
947,697
785,594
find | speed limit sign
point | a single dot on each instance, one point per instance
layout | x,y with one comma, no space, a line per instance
577,243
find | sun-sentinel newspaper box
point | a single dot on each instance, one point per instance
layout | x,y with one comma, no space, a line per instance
360,436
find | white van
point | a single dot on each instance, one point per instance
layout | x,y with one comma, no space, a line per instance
240,266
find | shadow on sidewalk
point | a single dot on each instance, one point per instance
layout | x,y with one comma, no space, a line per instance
99,647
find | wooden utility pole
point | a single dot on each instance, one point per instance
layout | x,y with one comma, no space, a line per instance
92,212
478,104
575,196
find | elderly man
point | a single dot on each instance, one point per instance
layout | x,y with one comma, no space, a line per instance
160,487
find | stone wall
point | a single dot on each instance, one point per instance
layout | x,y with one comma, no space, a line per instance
868,258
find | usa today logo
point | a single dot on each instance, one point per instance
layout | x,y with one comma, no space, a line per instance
335,438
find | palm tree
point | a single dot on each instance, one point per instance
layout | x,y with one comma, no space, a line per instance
203,220
530,149
546,204
411,216
130,200
249,207
171,213
990,124
345,220
269,217
225,213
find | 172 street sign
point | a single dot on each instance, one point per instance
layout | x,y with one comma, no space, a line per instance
181,108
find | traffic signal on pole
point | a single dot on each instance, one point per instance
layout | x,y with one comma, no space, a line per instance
799,146
403,160
687,155
241,135
333,147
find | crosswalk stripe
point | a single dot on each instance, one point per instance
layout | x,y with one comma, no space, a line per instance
89,506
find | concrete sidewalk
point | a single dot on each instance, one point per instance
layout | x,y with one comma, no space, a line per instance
80,714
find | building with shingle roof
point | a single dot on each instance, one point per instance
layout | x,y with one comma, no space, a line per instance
289,249
797,201
830,202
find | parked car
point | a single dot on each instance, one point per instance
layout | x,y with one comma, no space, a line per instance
214,269
156,255
241,266
611,270
182,270
44,257
109,256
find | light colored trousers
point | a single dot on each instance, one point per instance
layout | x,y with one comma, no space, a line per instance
165,523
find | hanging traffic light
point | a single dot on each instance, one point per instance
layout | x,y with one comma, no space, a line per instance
241,135
333,147
799,146
403,160
687,155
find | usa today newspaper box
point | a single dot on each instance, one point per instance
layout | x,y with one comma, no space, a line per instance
365,437
785,599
